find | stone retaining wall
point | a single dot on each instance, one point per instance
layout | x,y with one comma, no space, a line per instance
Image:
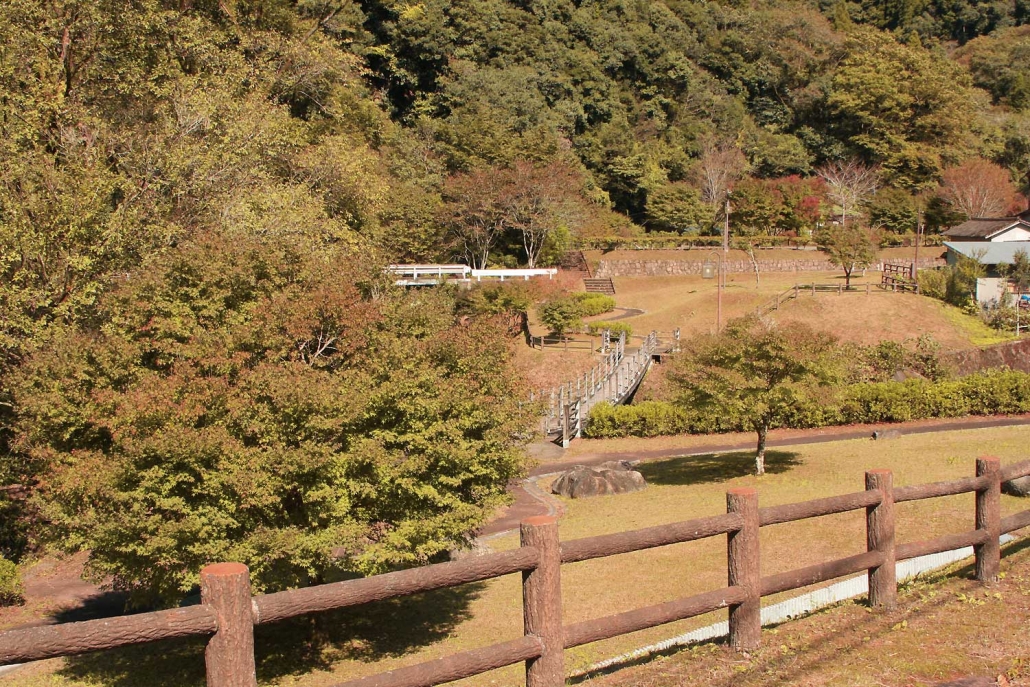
660,268
1014,355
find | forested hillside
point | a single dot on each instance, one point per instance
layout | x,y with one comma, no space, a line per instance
178,175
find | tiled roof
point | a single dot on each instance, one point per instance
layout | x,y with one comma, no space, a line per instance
983,227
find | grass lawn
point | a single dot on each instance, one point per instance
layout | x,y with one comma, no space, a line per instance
329,648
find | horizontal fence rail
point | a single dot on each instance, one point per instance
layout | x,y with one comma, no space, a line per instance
228,612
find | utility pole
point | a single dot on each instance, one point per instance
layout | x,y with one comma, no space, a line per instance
919,233
726,226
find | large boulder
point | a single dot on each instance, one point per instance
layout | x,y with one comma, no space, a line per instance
1017,487
613,477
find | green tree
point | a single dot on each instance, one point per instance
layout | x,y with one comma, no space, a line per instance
250,400
905,107
848,247
755,371
561,314
677,207
1018,272
893,209
962,276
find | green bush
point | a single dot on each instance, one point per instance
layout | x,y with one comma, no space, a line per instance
595,328
591,304
990,392
10,583
933,283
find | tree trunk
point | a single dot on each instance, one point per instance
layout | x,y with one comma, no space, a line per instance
763,432
847,275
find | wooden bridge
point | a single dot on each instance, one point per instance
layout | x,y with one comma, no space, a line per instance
613,380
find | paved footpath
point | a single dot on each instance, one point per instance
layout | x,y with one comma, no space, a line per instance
530,500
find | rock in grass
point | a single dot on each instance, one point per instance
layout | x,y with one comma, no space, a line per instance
583,481
1017,487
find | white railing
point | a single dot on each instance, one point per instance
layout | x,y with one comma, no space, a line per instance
548,272
429,271
426,274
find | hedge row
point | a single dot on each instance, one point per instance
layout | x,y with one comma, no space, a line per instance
992,392
681,242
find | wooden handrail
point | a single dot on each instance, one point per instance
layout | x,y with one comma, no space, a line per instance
605,545
69,639
270,608
229,612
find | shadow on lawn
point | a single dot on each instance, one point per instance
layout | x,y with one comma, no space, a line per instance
714,467
292,647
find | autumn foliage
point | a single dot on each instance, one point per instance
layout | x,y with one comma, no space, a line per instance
254,401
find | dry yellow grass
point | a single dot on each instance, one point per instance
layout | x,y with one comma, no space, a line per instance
691,304
327,650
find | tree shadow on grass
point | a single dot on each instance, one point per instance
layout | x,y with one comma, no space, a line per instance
292,647
714,467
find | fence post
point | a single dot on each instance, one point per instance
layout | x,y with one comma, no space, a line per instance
742,553
541,602
988,518
230,652
879,534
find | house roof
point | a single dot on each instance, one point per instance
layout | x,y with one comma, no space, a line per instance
989,253
985,227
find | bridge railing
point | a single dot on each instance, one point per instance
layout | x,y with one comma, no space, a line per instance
228,612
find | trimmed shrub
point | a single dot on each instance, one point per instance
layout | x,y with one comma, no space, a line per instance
10,584
595,328
991,392
591,304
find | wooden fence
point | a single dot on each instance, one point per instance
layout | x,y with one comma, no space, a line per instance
228,612
898,276
800,289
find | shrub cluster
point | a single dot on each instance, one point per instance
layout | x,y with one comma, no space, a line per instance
674,241
591,304
616,328
564,313
985,393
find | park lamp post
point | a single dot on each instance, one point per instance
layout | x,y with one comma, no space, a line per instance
709,271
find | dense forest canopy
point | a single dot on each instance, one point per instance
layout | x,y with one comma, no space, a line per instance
136,135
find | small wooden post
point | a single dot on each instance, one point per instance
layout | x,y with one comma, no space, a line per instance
988,518
541,602
230,652
879,533
744,570
813,288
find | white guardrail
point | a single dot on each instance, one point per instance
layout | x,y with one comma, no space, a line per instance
427,274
